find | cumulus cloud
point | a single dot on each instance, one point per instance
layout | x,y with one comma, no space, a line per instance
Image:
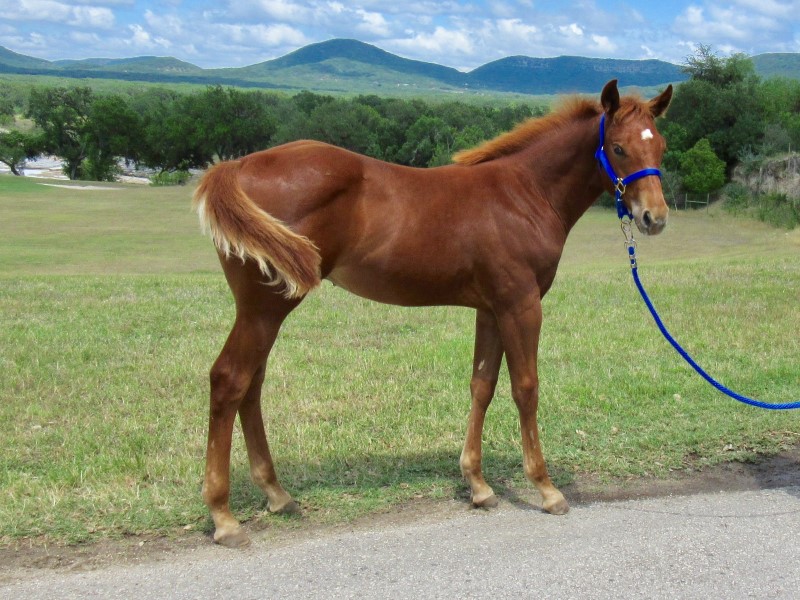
749,26
571,30
460,33
58,12
91,16
440,40
372,23
141,40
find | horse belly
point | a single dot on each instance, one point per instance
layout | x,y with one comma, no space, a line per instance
417,288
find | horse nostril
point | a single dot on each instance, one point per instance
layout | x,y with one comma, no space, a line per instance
647,219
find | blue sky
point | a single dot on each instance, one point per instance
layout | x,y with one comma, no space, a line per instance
457,33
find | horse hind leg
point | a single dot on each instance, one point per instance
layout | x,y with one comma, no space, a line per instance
485,368
262,470
236,379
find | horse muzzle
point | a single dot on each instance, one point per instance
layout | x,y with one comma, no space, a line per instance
651,221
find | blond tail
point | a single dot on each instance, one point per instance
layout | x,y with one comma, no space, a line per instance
240,228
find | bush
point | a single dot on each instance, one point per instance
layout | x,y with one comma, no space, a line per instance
737,197
165,178
776,209
702,170
779,210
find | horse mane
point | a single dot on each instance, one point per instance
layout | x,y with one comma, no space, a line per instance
572,109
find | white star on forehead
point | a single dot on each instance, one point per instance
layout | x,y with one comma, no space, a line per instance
647,134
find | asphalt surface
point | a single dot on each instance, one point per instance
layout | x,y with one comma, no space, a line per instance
724,545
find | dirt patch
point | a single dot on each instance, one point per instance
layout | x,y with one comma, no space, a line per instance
27,559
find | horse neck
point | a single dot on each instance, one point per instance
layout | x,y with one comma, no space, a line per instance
564,169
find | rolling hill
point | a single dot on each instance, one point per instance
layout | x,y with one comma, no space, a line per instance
350,66
778,65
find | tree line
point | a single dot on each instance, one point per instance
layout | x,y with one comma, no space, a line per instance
168,131
722,115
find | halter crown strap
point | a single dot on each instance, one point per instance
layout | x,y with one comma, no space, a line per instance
620,183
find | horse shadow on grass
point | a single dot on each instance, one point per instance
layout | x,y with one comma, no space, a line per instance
379,482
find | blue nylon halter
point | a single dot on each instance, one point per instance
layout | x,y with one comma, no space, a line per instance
625,216
620,183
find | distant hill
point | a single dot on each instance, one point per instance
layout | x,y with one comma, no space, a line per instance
139,64
570,74
778,65
351,66
320,54
12,59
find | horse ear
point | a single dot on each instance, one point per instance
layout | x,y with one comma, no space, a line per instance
610,97
659,104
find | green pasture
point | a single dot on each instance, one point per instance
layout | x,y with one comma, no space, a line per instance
113,307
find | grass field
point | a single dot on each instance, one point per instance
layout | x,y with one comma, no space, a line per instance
112,308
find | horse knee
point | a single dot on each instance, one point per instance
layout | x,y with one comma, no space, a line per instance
526,394
482,390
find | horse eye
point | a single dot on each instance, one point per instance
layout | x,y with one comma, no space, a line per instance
619,151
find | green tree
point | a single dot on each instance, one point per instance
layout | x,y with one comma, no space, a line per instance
16,147
234,123
344,123
62,114
111,135
720,103
428,138
171,139
780,98
7,106
702,170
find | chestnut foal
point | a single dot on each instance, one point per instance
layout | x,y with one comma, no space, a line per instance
486,232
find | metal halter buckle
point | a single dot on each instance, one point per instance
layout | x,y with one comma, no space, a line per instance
630,244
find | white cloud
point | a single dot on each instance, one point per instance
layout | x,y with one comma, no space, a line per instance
461,33
372,23
516,29
258,36
91,16
603,45
772,8
571,30
141,40
440,41
284,10
750,26
57,12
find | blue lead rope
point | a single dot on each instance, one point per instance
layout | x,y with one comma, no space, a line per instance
625,216
687,357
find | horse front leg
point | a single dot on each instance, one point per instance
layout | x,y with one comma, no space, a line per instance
519,329
485,368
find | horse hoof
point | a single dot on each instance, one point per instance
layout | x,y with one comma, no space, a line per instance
557,507
490,501
289,508
236,538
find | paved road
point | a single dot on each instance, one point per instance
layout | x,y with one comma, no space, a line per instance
727,545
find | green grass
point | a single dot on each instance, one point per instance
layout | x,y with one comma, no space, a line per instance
112,309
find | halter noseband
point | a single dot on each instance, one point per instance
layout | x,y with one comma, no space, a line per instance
620,183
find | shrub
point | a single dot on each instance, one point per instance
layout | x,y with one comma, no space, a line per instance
165,178
776,209
737,197
779,210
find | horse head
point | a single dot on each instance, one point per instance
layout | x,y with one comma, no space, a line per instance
631,149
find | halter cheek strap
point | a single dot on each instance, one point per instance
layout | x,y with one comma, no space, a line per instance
620,183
